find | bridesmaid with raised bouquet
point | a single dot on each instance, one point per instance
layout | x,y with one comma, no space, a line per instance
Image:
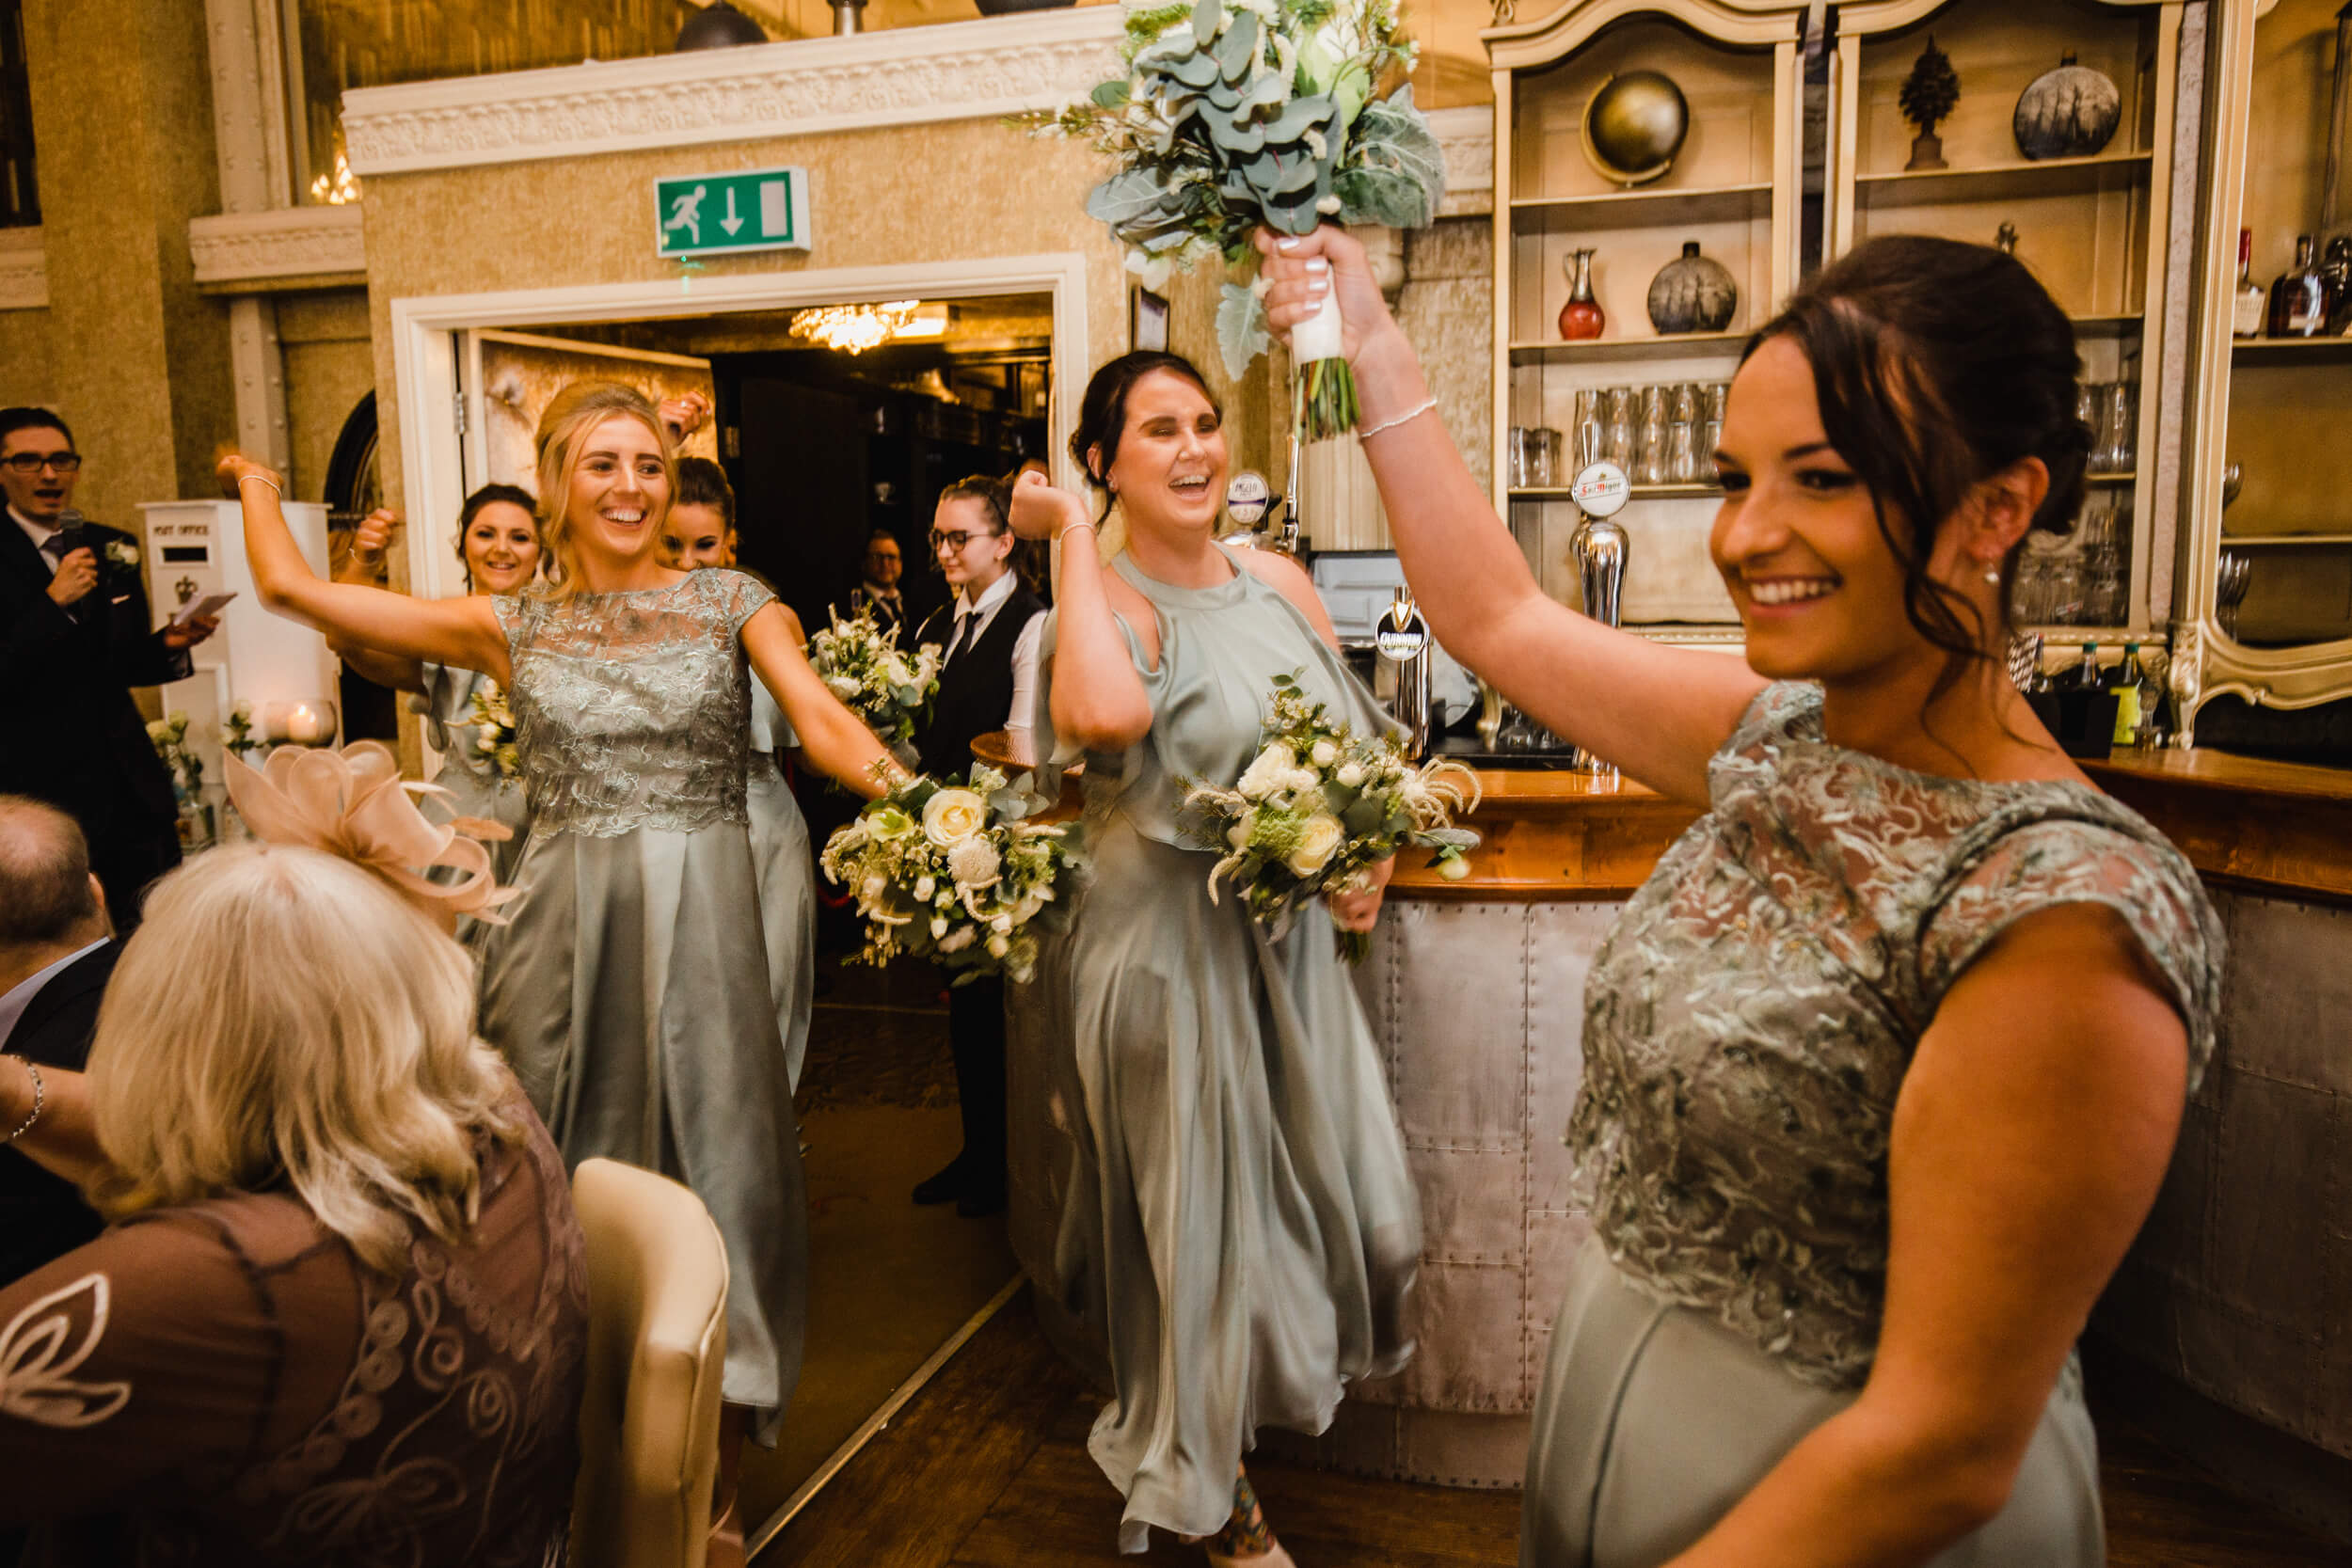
1241,1225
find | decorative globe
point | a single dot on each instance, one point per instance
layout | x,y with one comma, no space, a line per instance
1635,126
2070,112
719,25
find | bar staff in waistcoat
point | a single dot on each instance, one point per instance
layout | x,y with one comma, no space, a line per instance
990,632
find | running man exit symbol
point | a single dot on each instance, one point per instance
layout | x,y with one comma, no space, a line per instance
705,215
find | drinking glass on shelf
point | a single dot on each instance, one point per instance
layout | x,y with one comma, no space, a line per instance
2063,602
1650,455
2119,427
1682,457
1534,457
2089,408
1620,408
1590,435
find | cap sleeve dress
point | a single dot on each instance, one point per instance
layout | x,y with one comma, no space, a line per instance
1747,1026
630,989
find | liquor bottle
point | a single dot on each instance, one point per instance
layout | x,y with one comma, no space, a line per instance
2335,273
2129,699
1582,317
2299,301
2246,308
2087,673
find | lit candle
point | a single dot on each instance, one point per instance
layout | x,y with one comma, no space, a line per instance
310,723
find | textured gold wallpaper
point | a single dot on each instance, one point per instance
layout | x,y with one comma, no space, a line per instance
329,368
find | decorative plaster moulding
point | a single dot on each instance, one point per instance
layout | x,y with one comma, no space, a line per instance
24,270
900,76
292,242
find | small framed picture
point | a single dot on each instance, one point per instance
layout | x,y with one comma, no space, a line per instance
1147,321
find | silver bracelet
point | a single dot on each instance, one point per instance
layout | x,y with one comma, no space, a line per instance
1410,414
260,479
1083,522
41,1098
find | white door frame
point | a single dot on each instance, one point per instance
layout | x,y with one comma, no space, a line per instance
427,330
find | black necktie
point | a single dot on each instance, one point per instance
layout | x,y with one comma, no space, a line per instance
53,549
965,622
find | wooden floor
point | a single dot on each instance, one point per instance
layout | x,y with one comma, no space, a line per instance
988,1468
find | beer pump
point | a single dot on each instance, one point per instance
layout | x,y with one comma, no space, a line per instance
1599,547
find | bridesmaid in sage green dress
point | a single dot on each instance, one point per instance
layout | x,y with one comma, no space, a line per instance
629,990
1884,1064
1241,1225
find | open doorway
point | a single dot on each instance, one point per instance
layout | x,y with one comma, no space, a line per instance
822,447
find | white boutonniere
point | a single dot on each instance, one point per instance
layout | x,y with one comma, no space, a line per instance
123,553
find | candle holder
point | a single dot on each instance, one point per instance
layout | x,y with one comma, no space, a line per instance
306,721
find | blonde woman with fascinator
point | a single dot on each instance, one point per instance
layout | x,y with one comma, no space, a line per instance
247,1366
631,990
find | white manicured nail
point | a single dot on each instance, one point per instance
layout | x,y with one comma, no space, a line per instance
1317,264
1287,242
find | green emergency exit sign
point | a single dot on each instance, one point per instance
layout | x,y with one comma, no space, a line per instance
703,215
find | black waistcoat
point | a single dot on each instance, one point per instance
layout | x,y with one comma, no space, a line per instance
975,690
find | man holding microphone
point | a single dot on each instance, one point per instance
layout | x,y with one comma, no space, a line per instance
74,638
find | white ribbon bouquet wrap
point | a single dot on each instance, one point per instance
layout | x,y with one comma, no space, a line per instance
1240,114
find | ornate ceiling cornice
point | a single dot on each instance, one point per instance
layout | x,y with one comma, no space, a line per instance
24,270
292,242
902,76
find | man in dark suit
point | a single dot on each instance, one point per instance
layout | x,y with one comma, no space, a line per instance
56,953
74,638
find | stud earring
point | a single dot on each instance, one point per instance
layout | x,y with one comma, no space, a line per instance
1993,575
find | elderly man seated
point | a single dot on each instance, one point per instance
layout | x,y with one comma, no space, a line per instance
56,953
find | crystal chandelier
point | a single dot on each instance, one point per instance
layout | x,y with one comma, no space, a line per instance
341,189
855,328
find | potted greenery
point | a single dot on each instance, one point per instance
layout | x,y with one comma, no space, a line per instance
1927,99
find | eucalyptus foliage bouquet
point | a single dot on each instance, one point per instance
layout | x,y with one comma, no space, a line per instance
955,874
1319,804
1240,114
494,733
862,664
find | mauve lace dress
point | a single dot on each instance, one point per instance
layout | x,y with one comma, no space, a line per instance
631,989
1747,1026
1241,1225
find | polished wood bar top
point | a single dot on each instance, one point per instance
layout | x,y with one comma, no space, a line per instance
1554,834
2277,828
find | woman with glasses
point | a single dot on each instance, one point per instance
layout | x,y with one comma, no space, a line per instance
990,630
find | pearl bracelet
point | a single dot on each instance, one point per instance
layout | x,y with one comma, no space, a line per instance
1062,531
1413,413
41,1098
260,479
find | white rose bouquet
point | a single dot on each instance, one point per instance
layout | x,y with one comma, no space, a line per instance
494,733
888,686
236,733
169,737
955,874
1319,804
1237,114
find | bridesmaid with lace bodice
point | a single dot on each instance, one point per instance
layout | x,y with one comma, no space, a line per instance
1884,1063
629,990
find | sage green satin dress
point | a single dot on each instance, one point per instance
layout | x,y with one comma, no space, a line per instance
785,870
1747,1026
1241,1225
631,990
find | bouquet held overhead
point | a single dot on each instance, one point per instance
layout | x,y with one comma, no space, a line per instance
1241,114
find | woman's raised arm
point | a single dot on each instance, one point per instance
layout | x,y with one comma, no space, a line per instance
830,736
463,632
1657,712
1096,698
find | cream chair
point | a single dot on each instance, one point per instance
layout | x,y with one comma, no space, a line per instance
657,1341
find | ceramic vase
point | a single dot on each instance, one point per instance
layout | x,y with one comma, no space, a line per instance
1692,293
1582,317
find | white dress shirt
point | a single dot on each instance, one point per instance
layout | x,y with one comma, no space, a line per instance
21,997
40,533
1020,721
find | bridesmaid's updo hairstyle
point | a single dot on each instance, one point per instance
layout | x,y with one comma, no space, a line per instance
1103,414
490,494
1937,365
572,413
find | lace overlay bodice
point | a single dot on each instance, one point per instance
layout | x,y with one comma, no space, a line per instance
633,709
1750,1017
